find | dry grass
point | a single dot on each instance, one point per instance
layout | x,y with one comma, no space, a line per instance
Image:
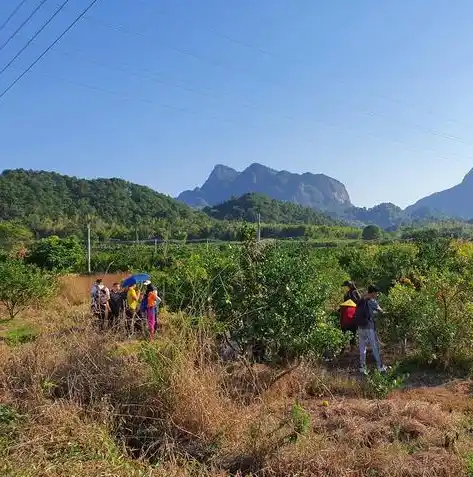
94,405
75,289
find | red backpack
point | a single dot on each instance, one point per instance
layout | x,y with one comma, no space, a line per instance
347,316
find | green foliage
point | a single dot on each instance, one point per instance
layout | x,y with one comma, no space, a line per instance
437,318
9,422
300,418
372,232
12,234
23,285
382,265
56,254
277,299
20,335
379,385
52,204
8,415
435,251
248,206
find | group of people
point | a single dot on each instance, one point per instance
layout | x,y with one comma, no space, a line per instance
358,317
136,307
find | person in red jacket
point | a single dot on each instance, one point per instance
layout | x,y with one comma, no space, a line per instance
347,320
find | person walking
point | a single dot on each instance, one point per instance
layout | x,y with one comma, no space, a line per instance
366,310
351,292
347,312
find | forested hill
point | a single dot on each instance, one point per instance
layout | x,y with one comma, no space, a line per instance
248,206
42,199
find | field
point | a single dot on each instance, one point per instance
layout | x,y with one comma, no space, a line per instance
79,402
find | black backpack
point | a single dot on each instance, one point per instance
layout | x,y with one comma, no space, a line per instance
362,313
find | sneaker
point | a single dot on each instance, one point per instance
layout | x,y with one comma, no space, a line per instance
383,369
363,371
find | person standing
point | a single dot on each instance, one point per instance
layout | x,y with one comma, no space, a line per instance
347,311
117,299
351,293
366,310
149,305
132,297
100,303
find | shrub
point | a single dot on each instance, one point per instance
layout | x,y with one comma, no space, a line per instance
54,253
12,234
277,300
437,318
23,285
372,232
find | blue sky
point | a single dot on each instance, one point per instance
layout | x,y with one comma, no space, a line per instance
375,94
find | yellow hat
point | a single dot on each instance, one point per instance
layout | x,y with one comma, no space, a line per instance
349,303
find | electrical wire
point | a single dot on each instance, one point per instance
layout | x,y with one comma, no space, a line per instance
12,14
71,25
340,81
38,32
10,38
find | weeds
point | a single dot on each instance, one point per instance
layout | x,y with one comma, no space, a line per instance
379,385
78,403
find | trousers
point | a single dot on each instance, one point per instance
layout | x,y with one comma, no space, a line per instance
151,315
367,337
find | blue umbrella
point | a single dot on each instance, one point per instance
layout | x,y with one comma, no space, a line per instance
134,279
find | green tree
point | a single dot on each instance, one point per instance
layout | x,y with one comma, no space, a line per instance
54,253
372,232
277,300
23,285
12,234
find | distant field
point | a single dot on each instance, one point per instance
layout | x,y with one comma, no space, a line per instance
76,288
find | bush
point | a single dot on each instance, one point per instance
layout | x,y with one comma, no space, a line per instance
372,232
437,318
22,286
277,300
56,254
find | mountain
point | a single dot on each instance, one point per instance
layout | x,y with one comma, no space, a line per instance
385,215
317,191
42,199
454,202
248,206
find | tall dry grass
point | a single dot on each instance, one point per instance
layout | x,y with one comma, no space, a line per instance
92,404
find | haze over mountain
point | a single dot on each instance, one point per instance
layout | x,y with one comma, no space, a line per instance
317,191
454,202
325,194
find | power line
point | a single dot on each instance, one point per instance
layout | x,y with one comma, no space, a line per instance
38,32
224,36
183,51
123,96
76,20
174,107
23,24
267,52
219,64
12,14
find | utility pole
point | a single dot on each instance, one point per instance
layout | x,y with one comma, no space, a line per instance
88,248
258,234
155,246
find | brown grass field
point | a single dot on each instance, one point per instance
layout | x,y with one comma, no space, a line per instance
76,402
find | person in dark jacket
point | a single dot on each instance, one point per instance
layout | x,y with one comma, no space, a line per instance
117,304
365,319
351,292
